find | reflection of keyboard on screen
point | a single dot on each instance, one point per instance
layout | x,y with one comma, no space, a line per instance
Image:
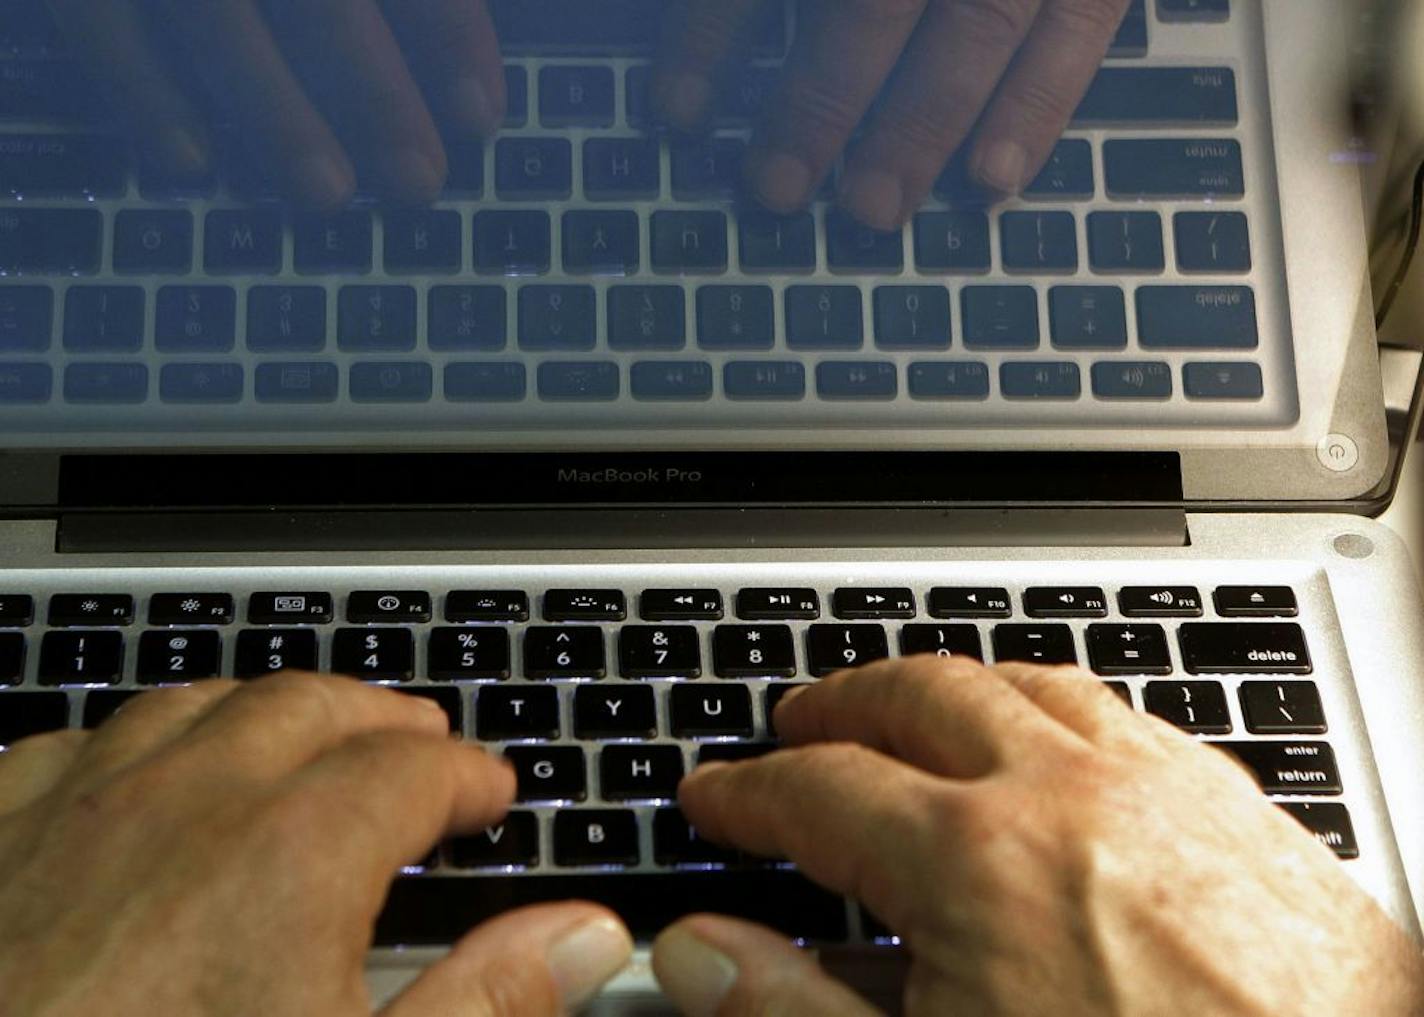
581,270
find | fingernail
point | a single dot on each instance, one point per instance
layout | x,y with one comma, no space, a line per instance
874,197
322,179
1001,166
782,181
582,960
685,99
474,106
695,977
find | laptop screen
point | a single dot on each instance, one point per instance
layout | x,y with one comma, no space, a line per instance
791,245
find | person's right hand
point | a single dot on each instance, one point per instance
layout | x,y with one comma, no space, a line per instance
358,102
1040,849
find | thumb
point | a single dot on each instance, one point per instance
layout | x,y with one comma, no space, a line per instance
539,961
722,967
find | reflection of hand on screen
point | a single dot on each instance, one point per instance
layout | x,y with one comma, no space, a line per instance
1016,68
359,100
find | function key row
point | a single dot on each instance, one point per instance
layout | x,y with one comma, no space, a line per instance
560,605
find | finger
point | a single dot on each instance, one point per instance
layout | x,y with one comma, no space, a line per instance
950,70
950,716
710,966
1080,701
840,812
698,38
838,65
116,46
144,725
383,798
30,768
270,727
453,47
356,73
1043,88
540,961
237,59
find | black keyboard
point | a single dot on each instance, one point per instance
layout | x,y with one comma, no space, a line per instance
604,698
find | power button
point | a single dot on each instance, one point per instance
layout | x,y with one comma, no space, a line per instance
1338,453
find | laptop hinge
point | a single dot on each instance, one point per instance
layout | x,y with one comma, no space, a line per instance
587,528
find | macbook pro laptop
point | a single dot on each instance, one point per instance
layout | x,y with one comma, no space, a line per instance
604,459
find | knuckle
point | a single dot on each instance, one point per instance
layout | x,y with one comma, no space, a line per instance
996,24
1042,104
1087,19
822,110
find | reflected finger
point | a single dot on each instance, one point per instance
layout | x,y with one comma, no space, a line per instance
454,49
698,39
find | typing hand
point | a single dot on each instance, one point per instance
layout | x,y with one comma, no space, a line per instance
217,851
320,92
1040,849
1011,71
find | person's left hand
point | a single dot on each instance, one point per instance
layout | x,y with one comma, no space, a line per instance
1011,71
223,851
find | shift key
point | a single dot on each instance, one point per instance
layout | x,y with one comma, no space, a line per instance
1244,648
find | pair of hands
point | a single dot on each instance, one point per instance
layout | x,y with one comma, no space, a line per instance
326,91
222,850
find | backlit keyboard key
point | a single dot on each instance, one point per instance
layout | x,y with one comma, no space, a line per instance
12,658
267,651
601,243
1121,242
376,653
302,382
181,655
912,317
579,381
376,318
639,772
1182,168
621,169
333,242
190,609
101,704
153,241
1288,768
26,319
675,842
699,710
91,609
449,700
1289,707
689,242
646,318
243,241
26,383
941,640
960,379
615,711
853,379
392,382
1035,644
755,604
653,651
705,168
595,837
81,658
106,384
1160,601
1065,602
30,713
1195,707
574,96
585,605
533,169
200,383
1087,317
1132,379
504,712
1038,242
776,243
999,317
680,605
388,606
1040,380
831,648
736,318
422,240
1255,602
512,243
753,651
549,773
1224,380
558,318
969,602
1329,823
17,610
469,653
61,165
1244,648
1129,649
671,380
768,379
289,608
487,606
856,602
1160,97
512,842
952,242
824,317
44,241
564,651
286,318
104,319
851,247
1215,242
466,318
195,319
1197,317
1067,175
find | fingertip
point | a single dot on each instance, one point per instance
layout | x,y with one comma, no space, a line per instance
682,100
414,176
781,181
875,198
1000,165
323,181
477,107
693,973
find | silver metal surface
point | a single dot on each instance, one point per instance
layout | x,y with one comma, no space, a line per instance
1361,615
1310,281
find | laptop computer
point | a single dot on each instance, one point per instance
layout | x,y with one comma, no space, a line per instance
605,506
